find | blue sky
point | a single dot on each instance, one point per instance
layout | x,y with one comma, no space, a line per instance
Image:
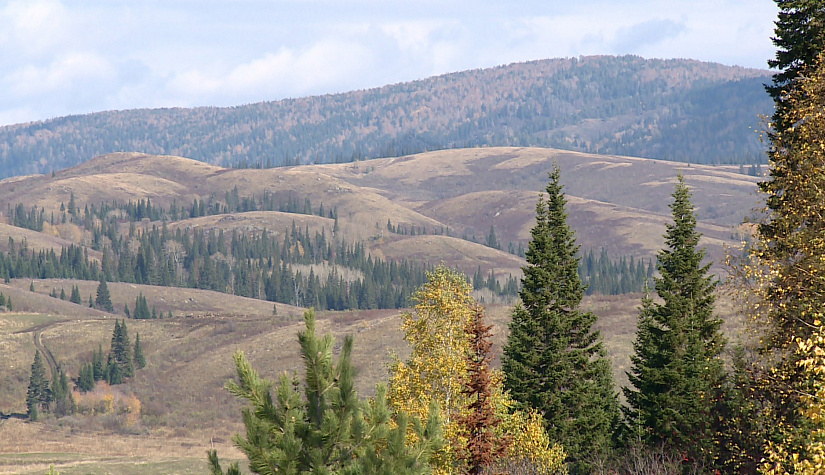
61,57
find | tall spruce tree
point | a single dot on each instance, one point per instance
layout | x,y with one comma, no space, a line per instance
139,359
104,299
677,370
554,360
121,350
38,394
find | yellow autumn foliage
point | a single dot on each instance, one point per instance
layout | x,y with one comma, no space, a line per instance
437,368
782,459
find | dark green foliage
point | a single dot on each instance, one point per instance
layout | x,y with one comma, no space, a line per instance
328,430
75,296
38,394
61,394
215,465
492,240
98,366
29,219
554,361
114,375
104,300
799,39
605,276
677,370
121,351
141,308
86,378
741,432
139,359
263,266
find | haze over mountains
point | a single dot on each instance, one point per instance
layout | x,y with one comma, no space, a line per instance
681,110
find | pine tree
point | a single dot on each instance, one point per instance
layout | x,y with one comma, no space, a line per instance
98,366
114,375
677,370
121,350
554,360
61,394
140,361
141,308
38,394
75,295
104,300
328,430
799,39
86,378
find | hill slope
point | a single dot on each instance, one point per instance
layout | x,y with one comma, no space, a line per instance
617,203
669,109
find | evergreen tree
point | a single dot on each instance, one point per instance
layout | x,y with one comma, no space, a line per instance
104,300
554,360
121,350
328,430
38,394
98,366
141,308
799,39
61,394
788,258
677,370
86,378
140,360
75,295
114,375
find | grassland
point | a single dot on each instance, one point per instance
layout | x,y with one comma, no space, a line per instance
618,203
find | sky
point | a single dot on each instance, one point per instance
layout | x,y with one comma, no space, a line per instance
62,57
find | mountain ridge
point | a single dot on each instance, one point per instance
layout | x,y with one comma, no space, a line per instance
683,110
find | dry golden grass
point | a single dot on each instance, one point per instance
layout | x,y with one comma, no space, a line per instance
618,203
457,253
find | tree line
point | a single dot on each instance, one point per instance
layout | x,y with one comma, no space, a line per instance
120,364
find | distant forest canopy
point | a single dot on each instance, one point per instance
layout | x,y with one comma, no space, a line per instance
681,110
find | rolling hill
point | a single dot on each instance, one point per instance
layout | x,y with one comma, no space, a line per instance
432,201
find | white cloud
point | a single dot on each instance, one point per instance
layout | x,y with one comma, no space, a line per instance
324,66
73,70
33,26
72,56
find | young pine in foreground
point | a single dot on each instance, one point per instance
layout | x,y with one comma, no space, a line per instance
327,430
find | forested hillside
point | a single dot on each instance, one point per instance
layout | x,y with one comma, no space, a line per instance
680,110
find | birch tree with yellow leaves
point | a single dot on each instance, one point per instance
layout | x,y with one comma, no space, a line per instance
437,370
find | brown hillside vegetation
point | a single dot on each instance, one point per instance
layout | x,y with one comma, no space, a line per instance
615,202
618,203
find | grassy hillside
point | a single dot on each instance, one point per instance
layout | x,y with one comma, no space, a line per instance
615,202
681,110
